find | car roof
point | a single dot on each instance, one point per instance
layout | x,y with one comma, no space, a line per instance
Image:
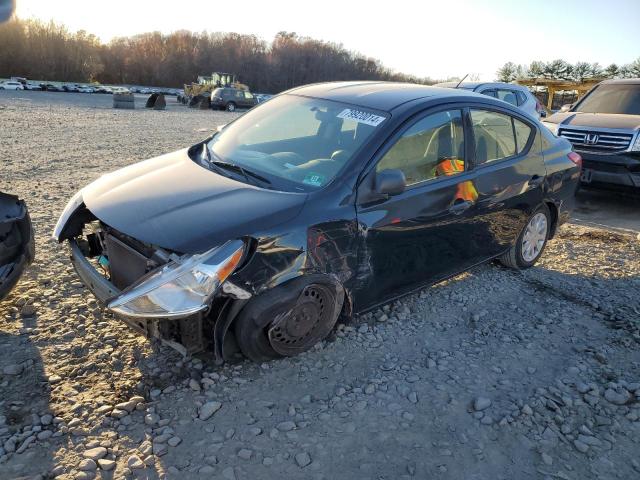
375,95
623,81
474,85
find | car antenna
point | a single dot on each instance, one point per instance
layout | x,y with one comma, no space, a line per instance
461,80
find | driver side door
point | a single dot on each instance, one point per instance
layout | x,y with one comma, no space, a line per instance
421,235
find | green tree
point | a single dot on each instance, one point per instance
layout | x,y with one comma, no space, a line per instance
507,73
612,71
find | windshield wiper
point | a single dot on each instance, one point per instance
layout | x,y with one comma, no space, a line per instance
243,171
220,164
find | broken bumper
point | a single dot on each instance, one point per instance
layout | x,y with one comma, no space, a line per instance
101,288
17,243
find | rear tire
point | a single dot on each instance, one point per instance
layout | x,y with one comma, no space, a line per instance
231,107
531,242
289,319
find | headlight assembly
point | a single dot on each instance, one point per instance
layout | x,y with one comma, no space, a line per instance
636,145
182,287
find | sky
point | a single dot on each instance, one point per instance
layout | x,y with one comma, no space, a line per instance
436,39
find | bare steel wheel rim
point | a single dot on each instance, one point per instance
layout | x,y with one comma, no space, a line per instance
535,235
303,326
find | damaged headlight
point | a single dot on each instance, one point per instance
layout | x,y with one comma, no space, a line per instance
181,287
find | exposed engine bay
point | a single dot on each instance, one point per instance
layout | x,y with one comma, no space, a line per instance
123,261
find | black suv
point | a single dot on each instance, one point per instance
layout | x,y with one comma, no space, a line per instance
604,127
229,98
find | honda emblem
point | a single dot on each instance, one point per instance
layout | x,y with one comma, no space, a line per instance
591,139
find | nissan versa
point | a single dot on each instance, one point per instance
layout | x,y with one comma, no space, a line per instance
326,200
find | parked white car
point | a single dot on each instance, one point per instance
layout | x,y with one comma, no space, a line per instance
511,93
10,85
86,89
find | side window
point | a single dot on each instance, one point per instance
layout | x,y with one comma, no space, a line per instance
522,98
239,94
248,95
493,133
432,147
508,96
497,135
489,93
523,132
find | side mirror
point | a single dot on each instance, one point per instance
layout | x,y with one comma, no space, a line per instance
390,182
566,107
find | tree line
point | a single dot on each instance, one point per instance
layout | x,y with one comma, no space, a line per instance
49,51
562,70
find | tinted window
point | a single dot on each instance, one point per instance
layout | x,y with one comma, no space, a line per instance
432,147
522,98
490,93
494,137
508,96
523,132
622,99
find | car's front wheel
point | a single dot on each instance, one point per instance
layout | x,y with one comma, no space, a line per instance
531,241
289,319
231,107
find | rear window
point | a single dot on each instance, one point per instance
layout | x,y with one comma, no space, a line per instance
611,98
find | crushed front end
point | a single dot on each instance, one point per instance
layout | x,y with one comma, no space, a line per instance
177,298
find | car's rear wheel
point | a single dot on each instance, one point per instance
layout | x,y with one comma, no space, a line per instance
531,241
289,319
231,107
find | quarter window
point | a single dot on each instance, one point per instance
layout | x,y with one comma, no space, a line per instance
508,96
431,148
497,135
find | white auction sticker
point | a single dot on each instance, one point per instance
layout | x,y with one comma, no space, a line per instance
361,117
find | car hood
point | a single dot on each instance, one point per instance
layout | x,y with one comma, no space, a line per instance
174,203
596,120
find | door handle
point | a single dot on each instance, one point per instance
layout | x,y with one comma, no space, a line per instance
535,181
460,206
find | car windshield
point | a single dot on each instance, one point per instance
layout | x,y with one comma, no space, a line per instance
612,98
298,143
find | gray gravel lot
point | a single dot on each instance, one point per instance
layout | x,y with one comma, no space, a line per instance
494,374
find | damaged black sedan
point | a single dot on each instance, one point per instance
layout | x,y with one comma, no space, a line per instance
326,200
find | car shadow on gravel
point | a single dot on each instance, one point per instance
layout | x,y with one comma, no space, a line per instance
24,409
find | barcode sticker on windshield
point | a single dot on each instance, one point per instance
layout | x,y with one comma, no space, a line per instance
361,117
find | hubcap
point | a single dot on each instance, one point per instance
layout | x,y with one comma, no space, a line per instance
302,327
535,235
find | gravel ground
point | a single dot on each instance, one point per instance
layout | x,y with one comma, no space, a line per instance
493,374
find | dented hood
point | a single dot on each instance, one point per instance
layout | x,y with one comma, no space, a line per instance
596,120
172,202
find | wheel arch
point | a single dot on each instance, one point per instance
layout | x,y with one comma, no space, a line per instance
554,212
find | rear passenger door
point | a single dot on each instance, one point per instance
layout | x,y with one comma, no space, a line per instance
510,173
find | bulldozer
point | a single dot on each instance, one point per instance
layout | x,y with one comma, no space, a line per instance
198,94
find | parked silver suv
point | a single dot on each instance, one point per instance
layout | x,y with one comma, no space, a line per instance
516,95
604,127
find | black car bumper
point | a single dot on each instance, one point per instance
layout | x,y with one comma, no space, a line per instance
17,243
622,170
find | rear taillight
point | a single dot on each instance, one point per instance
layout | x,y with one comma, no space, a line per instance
575,158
